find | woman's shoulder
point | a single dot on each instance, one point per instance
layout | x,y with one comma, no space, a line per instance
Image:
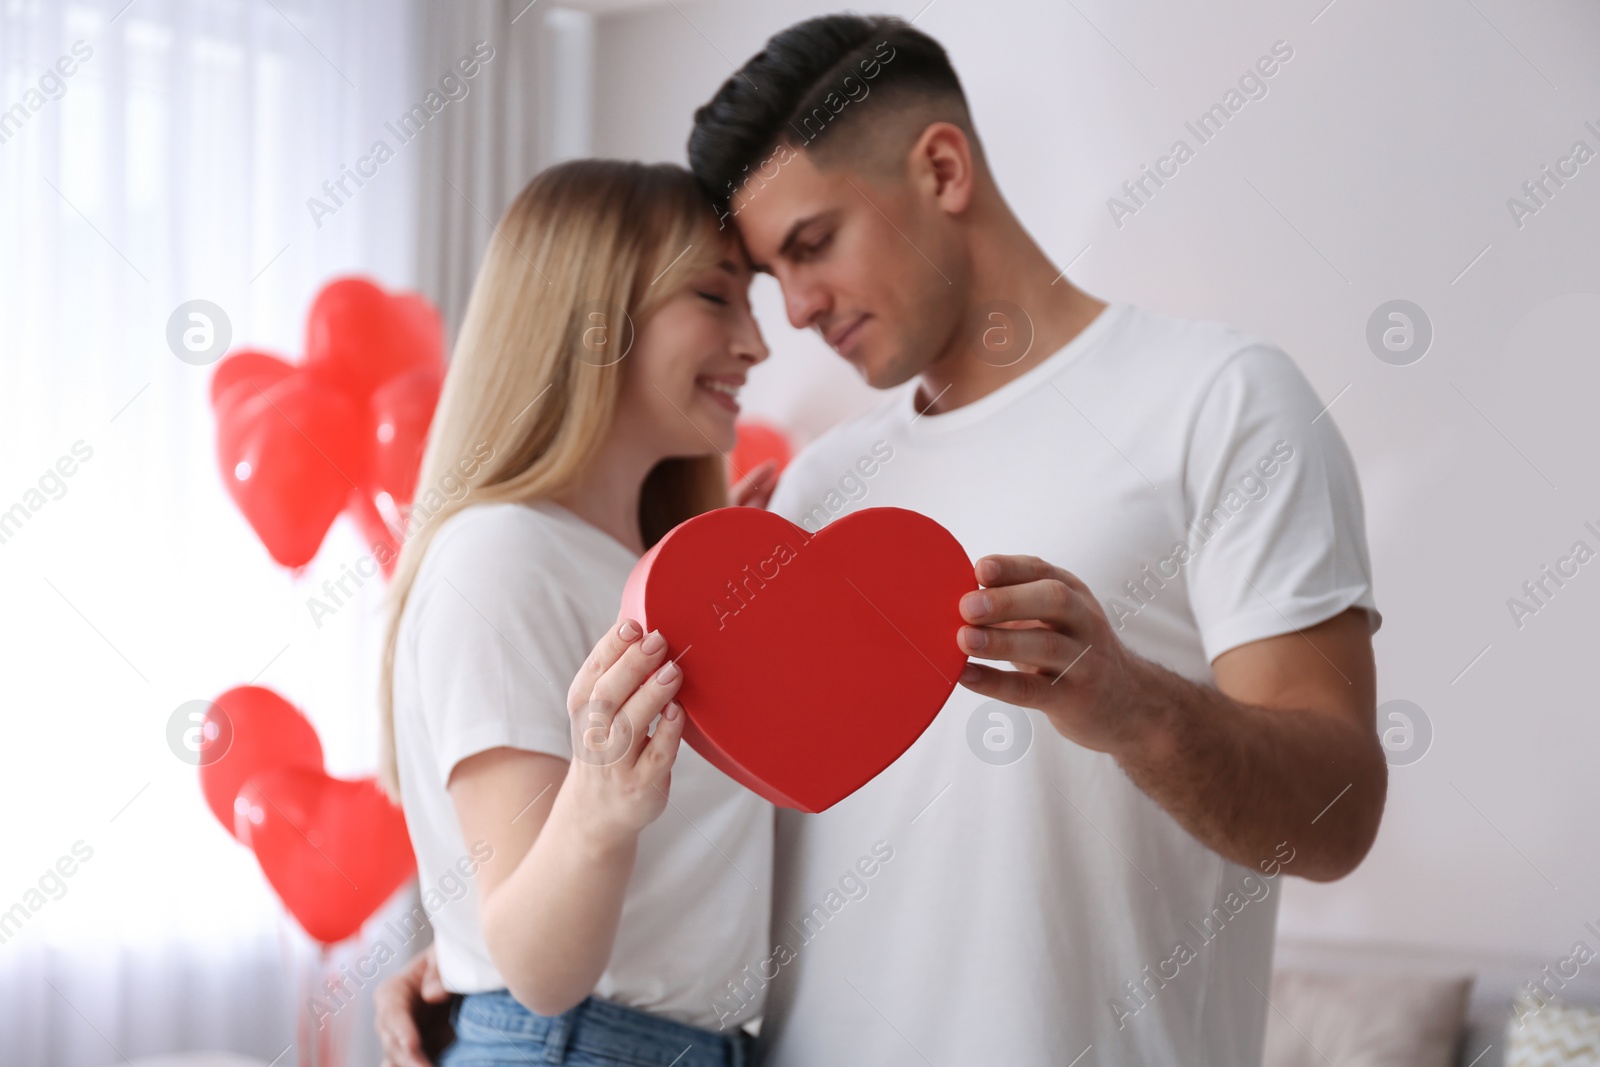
500,521
505,540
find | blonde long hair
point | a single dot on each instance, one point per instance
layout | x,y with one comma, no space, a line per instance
530,396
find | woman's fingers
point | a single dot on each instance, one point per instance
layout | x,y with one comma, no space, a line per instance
618,682
662,749
610,648
603,733
621,772
648,701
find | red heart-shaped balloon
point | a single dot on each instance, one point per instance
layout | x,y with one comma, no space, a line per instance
334,850
254,730
290,453
402,410
810,661
298,442
242,370
358,336
756,443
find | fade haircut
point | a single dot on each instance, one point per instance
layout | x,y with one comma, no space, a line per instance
808,87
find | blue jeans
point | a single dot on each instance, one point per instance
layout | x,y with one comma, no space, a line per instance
494,1030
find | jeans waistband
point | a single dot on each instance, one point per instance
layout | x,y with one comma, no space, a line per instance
604,1028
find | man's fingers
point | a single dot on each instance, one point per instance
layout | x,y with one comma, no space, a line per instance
405,1052
1009,570
402,1044
1012,687
1014,570
1048,599
392,1003
433,990
1047,650
760,498
755,488
623,635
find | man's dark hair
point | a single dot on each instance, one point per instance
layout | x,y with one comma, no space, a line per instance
809,83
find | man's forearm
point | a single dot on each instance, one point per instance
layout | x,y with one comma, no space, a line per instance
1242,779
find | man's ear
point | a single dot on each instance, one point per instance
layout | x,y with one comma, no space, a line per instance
941,165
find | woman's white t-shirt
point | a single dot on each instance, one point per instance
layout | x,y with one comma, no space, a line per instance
508,602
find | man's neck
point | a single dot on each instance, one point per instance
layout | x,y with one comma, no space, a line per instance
1018,298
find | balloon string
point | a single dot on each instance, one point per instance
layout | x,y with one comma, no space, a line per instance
302,1027
370,521
324,1032
291,966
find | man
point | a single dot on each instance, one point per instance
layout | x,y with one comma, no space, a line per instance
1190,616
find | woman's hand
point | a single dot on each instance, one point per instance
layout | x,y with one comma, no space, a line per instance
754,490
553,890
620,773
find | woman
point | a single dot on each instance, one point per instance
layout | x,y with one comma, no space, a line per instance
589,398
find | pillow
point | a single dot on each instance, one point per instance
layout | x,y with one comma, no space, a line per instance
1365,1020
1556,1035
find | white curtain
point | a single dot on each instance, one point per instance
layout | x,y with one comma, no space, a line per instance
533,108
154,152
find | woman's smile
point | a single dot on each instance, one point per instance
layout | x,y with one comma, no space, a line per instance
723,388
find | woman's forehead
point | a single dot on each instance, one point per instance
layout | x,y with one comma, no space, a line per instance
734,255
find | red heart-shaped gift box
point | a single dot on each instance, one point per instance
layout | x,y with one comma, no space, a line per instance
810,661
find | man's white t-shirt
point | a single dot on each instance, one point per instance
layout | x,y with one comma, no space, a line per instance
1034,901
508,602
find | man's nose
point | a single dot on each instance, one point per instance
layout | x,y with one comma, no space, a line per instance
804,303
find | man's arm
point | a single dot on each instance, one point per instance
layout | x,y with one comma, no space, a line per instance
1284,749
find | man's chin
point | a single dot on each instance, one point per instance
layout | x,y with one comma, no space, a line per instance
884,373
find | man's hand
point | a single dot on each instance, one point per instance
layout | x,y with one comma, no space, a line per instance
1282,749
754,490
1070,663
411,1012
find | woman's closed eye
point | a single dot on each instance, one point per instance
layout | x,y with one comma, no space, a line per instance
713,297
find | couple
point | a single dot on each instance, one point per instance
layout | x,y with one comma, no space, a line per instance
1076,862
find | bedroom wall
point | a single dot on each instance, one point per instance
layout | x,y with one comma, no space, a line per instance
1377,166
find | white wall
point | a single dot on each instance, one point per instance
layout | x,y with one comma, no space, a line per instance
1378,166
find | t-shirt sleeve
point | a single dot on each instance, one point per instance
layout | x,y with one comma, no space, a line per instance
497,643
1276,528
785,500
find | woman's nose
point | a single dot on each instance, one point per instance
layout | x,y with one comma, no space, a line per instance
749,345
